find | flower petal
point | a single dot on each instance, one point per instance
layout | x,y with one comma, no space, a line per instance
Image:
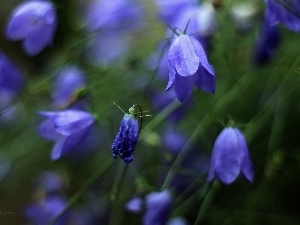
19,26
38,39
183,57
47,130
202,56
183,87
172,74
58,147
226,156
245,162
72,120
205,81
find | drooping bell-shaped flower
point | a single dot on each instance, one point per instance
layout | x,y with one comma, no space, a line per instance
107,48
285,12
134,205
67,128
173,140
34,22
188,65
109,15
266,44
127,137
43,211
170,10
158,206
11,81
50,181
230,157
69,88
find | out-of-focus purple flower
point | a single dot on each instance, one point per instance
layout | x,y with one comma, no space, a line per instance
11,83
34,22
69,85
107,48
158,206
160,100
266,44
11,80
158,61
188,65
201,19
127,137
134,205
67,128
170,10
230,157
42,212
173,140
177,221
285,12
109,15
51,181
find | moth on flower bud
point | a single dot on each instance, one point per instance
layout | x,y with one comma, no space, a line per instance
127,136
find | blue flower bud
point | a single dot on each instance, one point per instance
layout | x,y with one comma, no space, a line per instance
127,137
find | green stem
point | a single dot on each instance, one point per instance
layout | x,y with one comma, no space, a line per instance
116,216
118,182
82,190
207,201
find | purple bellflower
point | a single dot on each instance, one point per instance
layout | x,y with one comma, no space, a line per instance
158,206
173,140
34,22
69,88
266,44
67,128
285,12
134,205
188,65
42,212
51,182
127,137
108,15
11,81
11,84
170,10
117,45
230,157
179,13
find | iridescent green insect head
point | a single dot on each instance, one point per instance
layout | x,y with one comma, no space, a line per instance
128,135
